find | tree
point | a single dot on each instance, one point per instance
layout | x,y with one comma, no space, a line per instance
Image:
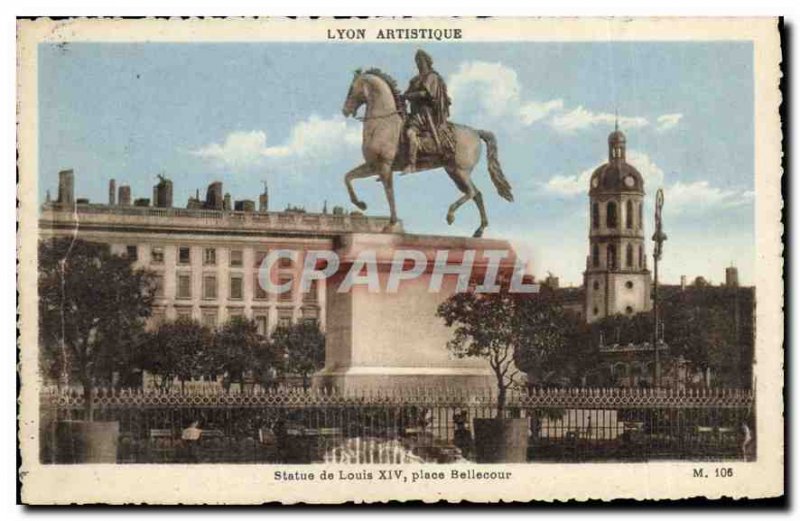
705,337
623,329
236,349
512,331
179,349
304,346
571,365
89,299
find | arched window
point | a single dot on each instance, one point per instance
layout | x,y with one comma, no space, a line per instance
611,215
641,257
595,256
629,214
595,215
611,257
629,256
640,215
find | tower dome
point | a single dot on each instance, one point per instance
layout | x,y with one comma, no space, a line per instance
617,175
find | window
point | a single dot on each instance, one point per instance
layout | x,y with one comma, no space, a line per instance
184,286
184,313
157,255
262,324
595,310
210,256
235,313
236,258
641,257
611,215
595,215
628,310
629,256
595,256
629,284
596,285
260,293
209,286
236,288
184,255
132,252
611,257
259,258
629,214
159,287
210,319
310,314
640,215
311,294
285,317
286,295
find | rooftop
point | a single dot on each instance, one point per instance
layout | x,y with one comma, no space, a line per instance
57,215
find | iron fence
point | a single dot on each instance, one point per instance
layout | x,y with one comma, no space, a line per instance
296,426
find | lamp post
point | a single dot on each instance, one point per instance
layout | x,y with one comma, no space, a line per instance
658,240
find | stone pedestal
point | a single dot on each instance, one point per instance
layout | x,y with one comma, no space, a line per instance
394,341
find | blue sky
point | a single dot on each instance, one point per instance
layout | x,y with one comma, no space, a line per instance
243,113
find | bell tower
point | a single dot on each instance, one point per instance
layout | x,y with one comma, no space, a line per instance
616,280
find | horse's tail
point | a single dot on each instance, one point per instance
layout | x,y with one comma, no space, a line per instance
495,171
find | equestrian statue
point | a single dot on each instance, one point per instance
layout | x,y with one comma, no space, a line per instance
400,139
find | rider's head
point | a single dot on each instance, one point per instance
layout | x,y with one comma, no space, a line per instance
424,61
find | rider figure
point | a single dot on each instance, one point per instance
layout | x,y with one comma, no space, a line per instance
429,107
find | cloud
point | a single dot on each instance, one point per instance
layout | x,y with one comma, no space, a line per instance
570,185
495,90
578,184
700,195
681,197
667,121
581,118
312,138
532,111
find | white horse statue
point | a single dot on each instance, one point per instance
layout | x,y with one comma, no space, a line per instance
383,127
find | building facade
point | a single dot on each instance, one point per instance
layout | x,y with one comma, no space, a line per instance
616,279
206,257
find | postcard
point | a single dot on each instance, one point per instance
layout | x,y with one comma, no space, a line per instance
364,260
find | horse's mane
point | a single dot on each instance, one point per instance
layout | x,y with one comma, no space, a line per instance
398,99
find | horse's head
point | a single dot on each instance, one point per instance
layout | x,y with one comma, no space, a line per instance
356,96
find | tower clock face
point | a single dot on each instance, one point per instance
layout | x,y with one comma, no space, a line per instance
629,181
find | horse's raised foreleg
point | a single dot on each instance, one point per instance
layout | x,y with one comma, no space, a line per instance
461,178
479,203
361,171
387,177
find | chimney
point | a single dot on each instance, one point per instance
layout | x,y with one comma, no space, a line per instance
66,187
683,282
214,196
112,192
124,198
246,205
263,200
732,277
226,203
162,193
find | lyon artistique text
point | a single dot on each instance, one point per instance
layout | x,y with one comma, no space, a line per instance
421,33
